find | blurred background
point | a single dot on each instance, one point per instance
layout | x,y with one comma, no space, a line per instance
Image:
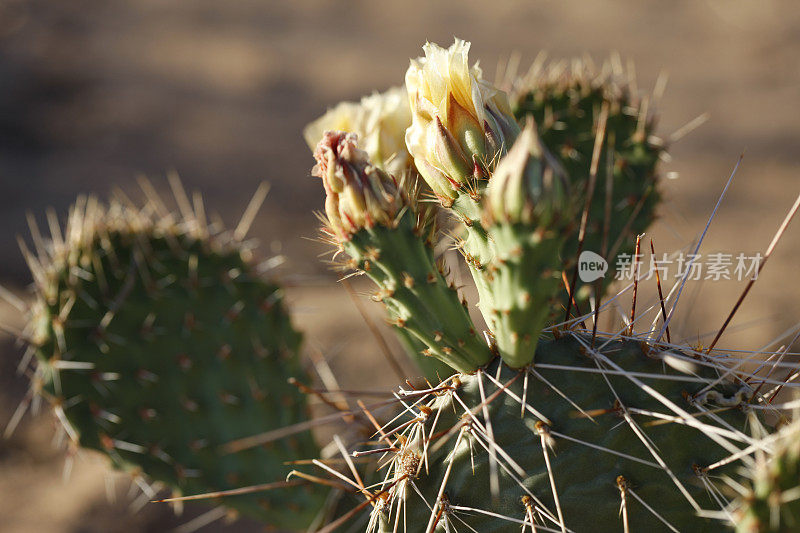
94,94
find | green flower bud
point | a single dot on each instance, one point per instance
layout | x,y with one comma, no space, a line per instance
359,194
527,186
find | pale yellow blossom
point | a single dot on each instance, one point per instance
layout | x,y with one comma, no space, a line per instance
379,120
458,118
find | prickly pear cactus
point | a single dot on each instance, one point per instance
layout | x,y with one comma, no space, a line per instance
772,501
157,342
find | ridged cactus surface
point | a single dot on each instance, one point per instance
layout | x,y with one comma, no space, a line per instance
157,343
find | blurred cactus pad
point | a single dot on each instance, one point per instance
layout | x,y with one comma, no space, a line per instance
156,341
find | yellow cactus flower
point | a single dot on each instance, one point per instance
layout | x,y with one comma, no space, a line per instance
380,121
459,120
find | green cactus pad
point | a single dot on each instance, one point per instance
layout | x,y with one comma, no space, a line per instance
581,411
158,343
566,106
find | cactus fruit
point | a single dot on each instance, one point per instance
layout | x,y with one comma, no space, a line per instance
567,105
771,503
377,221
157,341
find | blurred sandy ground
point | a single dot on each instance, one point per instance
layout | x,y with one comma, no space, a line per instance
94,93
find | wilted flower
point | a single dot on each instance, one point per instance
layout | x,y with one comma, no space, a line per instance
380,121
359,194
527,186
458,118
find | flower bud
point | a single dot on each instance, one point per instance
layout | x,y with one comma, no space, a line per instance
457,118
359,194
526,186
380,121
